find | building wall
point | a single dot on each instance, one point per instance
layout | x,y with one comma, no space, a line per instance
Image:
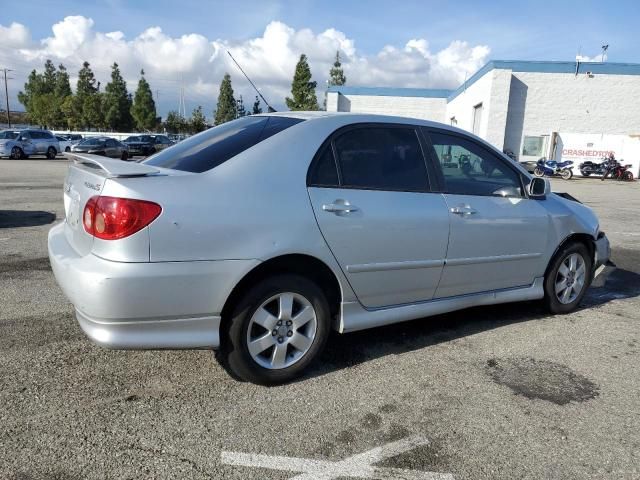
415,107
541,103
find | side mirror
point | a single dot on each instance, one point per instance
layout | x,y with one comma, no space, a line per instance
539,188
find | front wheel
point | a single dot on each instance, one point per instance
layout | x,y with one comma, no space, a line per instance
276,331
51,153
627,176
538,172
567,279
67,149
566,174
584,173
125,155
17,153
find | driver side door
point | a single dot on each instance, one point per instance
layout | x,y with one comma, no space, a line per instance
497,234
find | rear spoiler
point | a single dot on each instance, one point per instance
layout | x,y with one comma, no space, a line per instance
112,167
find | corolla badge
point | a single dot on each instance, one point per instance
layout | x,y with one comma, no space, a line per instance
93,186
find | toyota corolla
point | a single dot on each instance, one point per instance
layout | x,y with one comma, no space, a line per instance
260,236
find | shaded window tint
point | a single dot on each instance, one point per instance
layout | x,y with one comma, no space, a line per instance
470,169
212,147
382,158
323,172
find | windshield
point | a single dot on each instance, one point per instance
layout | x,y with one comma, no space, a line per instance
145,138
133,138
212,147
8,135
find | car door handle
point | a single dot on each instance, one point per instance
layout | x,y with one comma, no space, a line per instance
463,210
339,208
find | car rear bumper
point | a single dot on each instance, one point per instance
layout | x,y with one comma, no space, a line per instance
145,305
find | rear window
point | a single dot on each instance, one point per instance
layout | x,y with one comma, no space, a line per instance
215,146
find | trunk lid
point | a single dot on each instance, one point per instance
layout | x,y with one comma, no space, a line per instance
86,178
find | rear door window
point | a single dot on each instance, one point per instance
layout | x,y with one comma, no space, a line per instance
215,146
382,158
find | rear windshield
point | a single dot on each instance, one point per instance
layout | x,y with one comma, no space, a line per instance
212,147
92,141
8,135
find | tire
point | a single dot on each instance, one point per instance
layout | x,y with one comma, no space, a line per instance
125,155
538,172
51,153
627,176
566,174
282,359
67,149
17,153
152,151
585,173
561,274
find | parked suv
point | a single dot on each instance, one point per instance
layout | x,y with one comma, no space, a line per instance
19,144
259,236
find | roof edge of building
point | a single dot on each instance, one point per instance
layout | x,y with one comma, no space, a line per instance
392,91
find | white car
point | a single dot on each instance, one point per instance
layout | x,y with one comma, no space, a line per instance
259,236
65,143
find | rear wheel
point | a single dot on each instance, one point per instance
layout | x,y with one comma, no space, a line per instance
278,329
627,176
67,149
566,174
538,172
568,278
51,153
585,173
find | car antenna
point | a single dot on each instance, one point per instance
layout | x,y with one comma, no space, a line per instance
270,108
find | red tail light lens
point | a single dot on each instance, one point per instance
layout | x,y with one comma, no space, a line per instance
111,218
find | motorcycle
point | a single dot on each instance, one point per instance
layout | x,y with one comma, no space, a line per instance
620,172
551,168
592,168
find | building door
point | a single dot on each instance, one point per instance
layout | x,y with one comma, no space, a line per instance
477,119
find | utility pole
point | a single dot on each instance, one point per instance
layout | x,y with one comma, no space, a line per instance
6,94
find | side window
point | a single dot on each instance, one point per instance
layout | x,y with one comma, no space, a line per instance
36,135
382,158
323,172
470,169
111,143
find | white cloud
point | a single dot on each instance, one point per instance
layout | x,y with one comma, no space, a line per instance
199,63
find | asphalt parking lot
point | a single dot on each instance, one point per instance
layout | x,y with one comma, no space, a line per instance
497,392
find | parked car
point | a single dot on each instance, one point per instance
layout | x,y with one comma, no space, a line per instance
147,144
19,144
75,138
65,143
259,236
104,146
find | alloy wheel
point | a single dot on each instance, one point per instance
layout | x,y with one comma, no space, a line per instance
570,278
281,331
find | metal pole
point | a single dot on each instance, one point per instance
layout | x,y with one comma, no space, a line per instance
6,96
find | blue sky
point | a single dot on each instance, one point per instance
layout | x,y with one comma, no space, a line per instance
383,42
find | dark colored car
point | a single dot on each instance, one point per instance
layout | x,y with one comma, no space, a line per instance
147,144
105,146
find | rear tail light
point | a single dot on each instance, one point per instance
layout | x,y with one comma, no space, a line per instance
111,218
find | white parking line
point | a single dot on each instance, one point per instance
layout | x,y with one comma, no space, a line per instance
356,466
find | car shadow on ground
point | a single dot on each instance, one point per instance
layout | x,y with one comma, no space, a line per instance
25,218
351,349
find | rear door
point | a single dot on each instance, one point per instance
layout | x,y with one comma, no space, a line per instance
498,235
370,191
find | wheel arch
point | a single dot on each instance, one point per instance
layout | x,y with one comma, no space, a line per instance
586,239
302,264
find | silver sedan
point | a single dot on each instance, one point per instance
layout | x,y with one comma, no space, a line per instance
259,236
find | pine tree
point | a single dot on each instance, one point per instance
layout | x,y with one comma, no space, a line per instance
87,91
62,90
198,122
49,77
116,102
33,88
226,109
303,90
256,106
336,74
144,108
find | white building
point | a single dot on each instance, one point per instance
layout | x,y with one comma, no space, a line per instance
561,110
